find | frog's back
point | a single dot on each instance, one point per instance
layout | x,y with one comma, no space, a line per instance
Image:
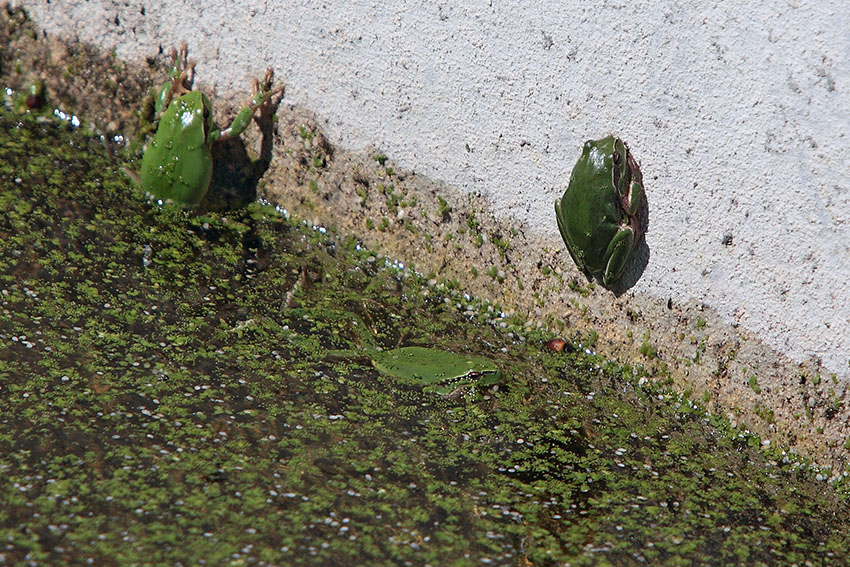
177,163
590,207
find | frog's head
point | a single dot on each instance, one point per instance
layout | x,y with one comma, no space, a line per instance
626,176
612,156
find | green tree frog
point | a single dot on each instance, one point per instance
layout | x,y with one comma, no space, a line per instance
599,213
177,163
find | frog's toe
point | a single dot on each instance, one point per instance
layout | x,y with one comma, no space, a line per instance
267,79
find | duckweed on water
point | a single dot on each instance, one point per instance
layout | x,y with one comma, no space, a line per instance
166,397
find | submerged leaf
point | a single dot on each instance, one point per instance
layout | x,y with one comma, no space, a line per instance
427,366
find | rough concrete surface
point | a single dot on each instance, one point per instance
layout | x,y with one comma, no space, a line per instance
737,113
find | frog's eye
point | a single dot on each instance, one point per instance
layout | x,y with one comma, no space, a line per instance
621,173
616,172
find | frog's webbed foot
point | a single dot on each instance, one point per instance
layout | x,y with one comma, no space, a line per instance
264,118
264,97
183,83
182,70
263,101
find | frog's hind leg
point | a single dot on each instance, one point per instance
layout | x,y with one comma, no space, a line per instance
618,254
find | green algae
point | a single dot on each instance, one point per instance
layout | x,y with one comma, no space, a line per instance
168,396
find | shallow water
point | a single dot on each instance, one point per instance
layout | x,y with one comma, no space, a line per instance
167,397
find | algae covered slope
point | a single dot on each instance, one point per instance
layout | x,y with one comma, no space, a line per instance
167,397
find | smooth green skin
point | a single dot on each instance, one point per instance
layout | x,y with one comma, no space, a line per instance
177,164
597,213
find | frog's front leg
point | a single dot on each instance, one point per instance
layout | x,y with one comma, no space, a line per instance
181,77
260,101
618,254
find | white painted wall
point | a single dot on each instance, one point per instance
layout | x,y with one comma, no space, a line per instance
739,113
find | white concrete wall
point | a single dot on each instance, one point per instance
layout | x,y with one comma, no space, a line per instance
739,113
